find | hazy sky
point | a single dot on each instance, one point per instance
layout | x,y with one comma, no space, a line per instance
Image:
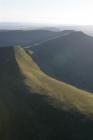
47,11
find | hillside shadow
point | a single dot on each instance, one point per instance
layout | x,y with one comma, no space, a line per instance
68,59
32,115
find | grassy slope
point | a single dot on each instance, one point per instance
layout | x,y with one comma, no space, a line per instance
37,107
71,97
68,58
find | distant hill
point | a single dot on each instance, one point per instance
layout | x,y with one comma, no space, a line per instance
28,38
24,37
68,58
37,107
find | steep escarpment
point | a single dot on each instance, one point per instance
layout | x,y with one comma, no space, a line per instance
68,58
36,106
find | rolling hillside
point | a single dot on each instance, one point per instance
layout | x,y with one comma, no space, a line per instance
25,37
37,107
68,58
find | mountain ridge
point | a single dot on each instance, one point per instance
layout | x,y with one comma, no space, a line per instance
68,58
36,106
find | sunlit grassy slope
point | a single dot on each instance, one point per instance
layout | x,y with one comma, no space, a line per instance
67,58
66,96
34,106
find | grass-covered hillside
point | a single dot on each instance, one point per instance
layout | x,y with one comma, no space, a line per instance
26,37
37,107
68,58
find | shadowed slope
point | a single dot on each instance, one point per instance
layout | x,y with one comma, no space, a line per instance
38,81
25,37
35,106
68,58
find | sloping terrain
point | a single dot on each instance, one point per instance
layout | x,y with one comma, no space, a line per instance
26,37
36,106
13,37
68,58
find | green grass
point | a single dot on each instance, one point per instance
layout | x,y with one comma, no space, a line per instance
34,106
71,97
